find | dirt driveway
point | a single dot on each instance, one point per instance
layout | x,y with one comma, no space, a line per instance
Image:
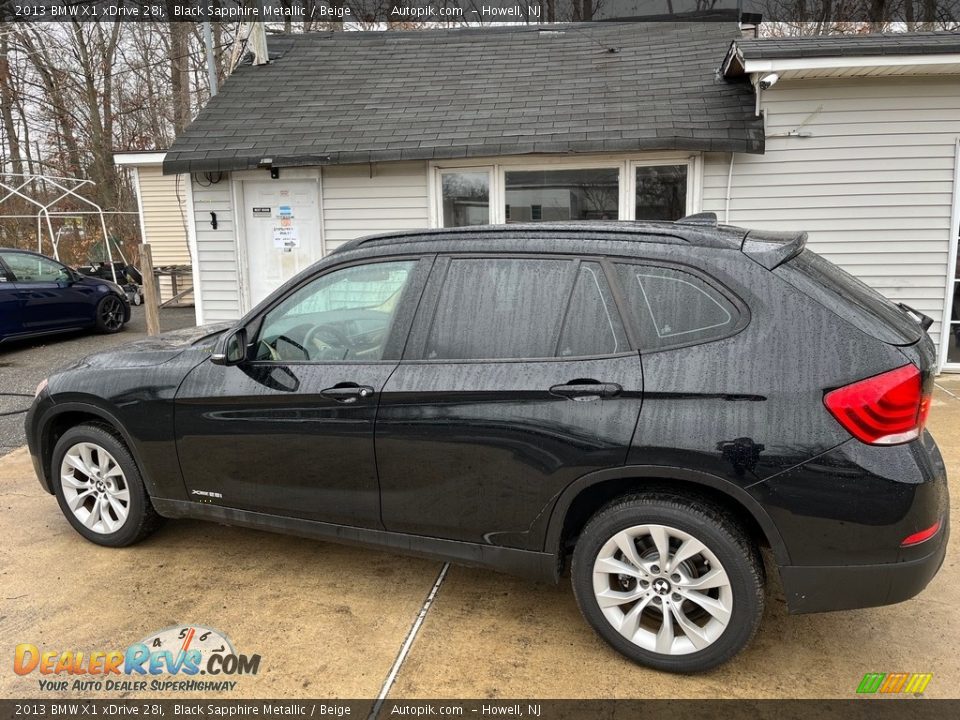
330,621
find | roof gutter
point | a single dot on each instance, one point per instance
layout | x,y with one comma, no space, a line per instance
735,65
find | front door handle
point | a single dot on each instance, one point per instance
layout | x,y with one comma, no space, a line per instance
586,390
347,393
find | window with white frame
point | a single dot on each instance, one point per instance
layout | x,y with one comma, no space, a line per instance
641,189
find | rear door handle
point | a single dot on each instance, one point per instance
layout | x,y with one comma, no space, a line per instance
586,390
347,393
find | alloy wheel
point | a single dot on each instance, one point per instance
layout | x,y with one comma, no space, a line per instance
111,313
662,589
95,488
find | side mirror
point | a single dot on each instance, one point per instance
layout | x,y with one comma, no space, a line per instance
231,348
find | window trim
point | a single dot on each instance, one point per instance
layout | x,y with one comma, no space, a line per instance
397,335
626,165
722,289
429,303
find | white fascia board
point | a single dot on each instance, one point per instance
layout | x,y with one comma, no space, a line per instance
139,158
865,62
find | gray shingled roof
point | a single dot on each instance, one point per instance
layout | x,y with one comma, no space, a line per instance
915,43
349,97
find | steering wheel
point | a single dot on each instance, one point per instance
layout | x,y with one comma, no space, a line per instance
340,340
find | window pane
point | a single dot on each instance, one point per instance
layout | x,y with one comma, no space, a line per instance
345,315
33,268
674,307
466,198
562,195
592,325
661,192
499,308
953,343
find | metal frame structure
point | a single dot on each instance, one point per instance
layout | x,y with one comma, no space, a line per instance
67,187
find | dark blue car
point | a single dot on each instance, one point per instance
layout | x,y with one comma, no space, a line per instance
39,296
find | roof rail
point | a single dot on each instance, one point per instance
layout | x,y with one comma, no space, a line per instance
708,219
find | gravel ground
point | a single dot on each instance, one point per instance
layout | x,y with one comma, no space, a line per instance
24,364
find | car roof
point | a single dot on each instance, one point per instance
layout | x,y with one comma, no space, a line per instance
24,252
697,231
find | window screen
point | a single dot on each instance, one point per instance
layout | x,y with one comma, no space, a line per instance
673,307
592,326
499,308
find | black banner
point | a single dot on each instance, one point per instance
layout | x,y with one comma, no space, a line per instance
910,14
890,708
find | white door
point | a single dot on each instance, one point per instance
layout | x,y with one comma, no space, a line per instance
282,228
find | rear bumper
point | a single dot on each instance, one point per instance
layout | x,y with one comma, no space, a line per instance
811,589
843,517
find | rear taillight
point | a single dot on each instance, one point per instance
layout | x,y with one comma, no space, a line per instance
922,536
885,409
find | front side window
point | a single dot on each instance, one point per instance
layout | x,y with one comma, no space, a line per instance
466,198
661,192
343,316
33,268
493,308
583,194
673,307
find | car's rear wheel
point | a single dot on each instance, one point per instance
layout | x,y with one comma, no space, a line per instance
110,314
670,582
99,488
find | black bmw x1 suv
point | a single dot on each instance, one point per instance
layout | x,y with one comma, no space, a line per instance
649,405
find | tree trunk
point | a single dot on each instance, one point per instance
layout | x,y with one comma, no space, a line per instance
180,75
6,107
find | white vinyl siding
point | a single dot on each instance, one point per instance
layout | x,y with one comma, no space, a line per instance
216,249
872,184
361,200
164,221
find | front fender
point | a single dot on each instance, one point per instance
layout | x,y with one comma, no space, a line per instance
153,452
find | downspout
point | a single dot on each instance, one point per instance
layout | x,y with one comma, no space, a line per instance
726,202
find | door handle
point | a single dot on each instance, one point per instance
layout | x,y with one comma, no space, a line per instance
586,390
347,393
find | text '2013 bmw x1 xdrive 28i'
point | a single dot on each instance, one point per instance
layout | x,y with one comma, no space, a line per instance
652,402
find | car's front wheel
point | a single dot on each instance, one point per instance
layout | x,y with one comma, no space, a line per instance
99,489
110,314
671,582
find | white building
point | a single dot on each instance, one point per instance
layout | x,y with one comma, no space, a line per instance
345,134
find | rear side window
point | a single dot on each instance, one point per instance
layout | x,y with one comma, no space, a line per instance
673,307
592,325
523,308
499,308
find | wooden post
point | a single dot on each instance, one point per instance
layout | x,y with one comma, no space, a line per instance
151,298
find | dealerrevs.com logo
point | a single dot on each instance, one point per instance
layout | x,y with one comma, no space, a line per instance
170,660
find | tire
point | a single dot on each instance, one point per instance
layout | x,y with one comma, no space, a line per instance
734,590
109,314
98,470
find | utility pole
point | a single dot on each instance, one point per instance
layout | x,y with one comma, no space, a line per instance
211,58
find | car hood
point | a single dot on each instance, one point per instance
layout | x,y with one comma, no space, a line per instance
157,350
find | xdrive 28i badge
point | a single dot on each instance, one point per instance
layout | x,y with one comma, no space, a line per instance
183,651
